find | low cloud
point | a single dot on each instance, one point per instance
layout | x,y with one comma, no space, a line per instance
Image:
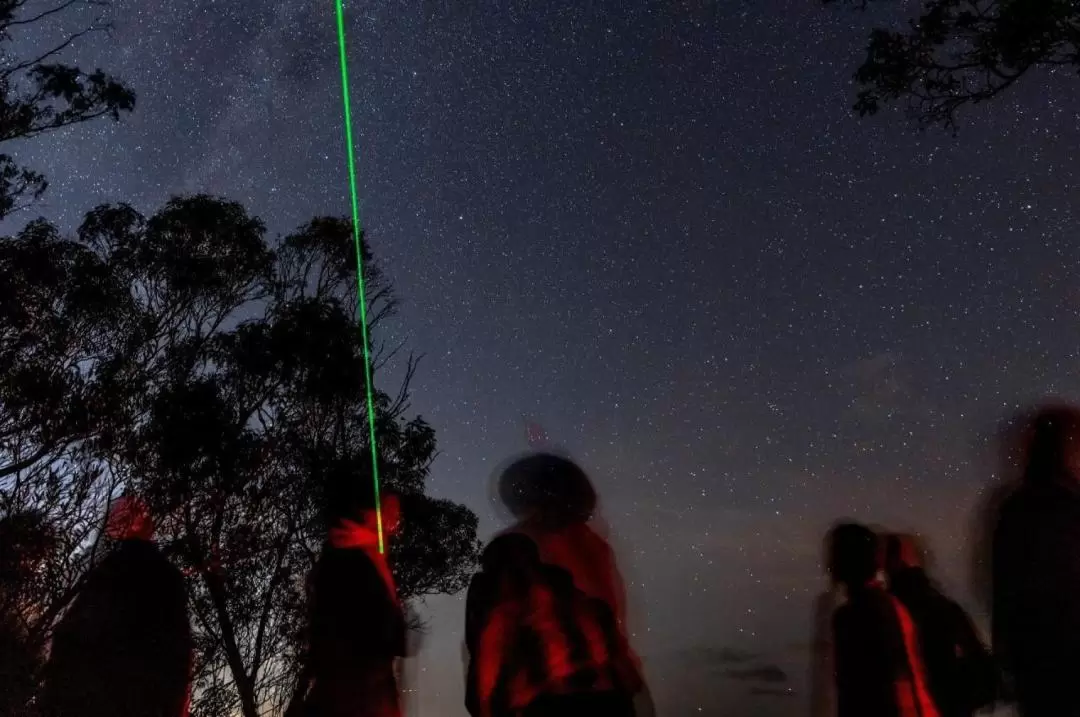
720,656
770,674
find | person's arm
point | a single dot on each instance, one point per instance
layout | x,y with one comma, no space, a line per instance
822,673
477,609
1002,590
968,642
844,657
982,674
470,614
491,655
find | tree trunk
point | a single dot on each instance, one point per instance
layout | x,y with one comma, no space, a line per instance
241,678
296,701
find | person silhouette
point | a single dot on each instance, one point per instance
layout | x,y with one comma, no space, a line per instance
356,624
879,671
960,672
555,504
123,648
1036,569
26,539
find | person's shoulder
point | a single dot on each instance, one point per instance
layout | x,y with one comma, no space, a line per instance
843,613
479,584
951,609
1013,504
869,606
151,561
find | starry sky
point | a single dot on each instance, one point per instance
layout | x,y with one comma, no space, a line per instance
655,228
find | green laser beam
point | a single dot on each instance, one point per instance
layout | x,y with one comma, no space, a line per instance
361,300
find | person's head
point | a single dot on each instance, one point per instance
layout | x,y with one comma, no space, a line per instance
854,554
547,487
1053,451
902,551
367,514
350,495
129,519
26,539
391,513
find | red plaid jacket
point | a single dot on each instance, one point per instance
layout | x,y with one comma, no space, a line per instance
553,639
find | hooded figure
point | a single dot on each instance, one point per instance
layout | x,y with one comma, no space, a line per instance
356,625
1036,570
879,672
25,541
123,648
960,671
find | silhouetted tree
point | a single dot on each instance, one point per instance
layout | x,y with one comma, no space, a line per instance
38,94
964,52
227,387
56,300
58,392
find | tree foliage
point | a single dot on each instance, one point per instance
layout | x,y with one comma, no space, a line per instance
39,94
964,52
188,358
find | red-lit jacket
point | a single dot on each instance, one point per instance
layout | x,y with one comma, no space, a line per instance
545,638
879,668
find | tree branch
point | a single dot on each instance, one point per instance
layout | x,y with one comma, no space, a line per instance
22,465
41,58
53,11
264,618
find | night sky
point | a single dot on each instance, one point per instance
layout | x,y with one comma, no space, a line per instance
655,228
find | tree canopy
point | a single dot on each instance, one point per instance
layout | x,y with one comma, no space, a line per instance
958,53
219,374
39,94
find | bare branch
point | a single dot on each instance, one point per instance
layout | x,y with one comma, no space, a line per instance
26,463
8,72
53,11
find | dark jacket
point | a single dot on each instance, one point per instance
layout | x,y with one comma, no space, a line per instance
877,665
123,648
960,671
356,630
1036,590
19,665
